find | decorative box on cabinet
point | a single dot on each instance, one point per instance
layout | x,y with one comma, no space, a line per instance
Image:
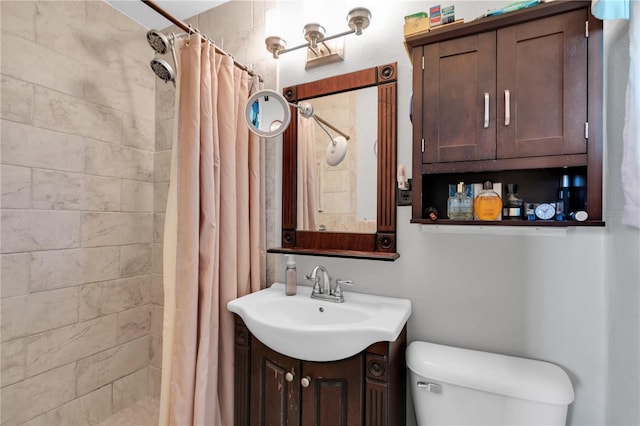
274,389
515,98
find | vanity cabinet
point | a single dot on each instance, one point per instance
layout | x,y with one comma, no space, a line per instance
514,98
274,389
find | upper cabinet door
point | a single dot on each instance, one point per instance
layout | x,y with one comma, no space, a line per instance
542,87
459,85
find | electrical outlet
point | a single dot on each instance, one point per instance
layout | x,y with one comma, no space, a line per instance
404,197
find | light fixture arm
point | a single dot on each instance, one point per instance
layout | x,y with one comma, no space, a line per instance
308,45
346,33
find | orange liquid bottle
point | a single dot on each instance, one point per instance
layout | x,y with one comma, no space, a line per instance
488,204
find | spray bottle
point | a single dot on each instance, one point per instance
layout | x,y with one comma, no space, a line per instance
291,276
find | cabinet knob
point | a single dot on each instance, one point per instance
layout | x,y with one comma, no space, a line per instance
288,377
305,382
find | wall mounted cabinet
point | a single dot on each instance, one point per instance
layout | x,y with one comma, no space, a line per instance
274,389
515,98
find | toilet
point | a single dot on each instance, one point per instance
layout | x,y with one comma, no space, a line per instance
455,386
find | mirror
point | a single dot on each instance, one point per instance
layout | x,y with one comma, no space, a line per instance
339,172
379,240
267,113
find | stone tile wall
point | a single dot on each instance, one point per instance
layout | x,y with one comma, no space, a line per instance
77,169
86,136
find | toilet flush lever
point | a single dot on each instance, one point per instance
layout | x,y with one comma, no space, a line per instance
430,387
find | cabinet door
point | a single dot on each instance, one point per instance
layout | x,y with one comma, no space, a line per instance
334,395
275,401
542,87
459,86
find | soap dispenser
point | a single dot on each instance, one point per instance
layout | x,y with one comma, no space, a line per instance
290,276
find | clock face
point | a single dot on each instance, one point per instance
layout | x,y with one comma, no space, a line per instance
545,211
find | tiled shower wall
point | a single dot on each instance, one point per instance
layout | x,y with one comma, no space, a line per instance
84,183
77,211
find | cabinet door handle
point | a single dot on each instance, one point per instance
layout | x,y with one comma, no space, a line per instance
289,377
507,108
305,382
486,110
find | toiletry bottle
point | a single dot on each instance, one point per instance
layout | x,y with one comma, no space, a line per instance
291,276
460,205
564,194
530,211
431,213
513,204
560,210
487,204
578,200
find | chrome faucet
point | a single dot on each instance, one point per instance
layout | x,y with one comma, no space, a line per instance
317,288
326,291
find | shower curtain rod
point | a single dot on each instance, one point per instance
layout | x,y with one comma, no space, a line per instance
189,29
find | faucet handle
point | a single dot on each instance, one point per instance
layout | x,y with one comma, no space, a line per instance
338,290
316,283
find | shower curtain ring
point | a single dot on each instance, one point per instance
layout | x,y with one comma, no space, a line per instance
191,31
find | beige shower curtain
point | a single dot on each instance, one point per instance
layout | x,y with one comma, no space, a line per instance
214,235
307,178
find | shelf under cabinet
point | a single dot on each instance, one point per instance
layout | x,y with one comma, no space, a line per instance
539,228
534,186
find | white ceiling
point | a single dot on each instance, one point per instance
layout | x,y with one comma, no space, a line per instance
149,18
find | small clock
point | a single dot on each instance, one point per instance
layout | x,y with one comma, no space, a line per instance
545,211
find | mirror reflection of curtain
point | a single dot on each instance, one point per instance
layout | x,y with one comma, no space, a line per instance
307,178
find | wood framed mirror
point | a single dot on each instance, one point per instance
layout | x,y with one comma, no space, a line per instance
378,240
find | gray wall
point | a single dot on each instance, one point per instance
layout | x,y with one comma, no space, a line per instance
570,300
77,202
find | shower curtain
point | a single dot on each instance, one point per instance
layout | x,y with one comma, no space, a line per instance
214,235
307,178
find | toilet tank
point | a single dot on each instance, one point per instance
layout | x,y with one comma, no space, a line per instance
455,386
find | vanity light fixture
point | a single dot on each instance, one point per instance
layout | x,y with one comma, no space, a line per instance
319,50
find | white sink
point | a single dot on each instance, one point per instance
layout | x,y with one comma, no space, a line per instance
316,330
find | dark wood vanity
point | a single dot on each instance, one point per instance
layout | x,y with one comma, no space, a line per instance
273,389
513,98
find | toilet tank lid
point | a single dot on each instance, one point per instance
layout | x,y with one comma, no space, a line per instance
501,374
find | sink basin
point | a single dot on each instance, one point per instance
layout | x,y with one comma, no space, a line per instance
316,330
